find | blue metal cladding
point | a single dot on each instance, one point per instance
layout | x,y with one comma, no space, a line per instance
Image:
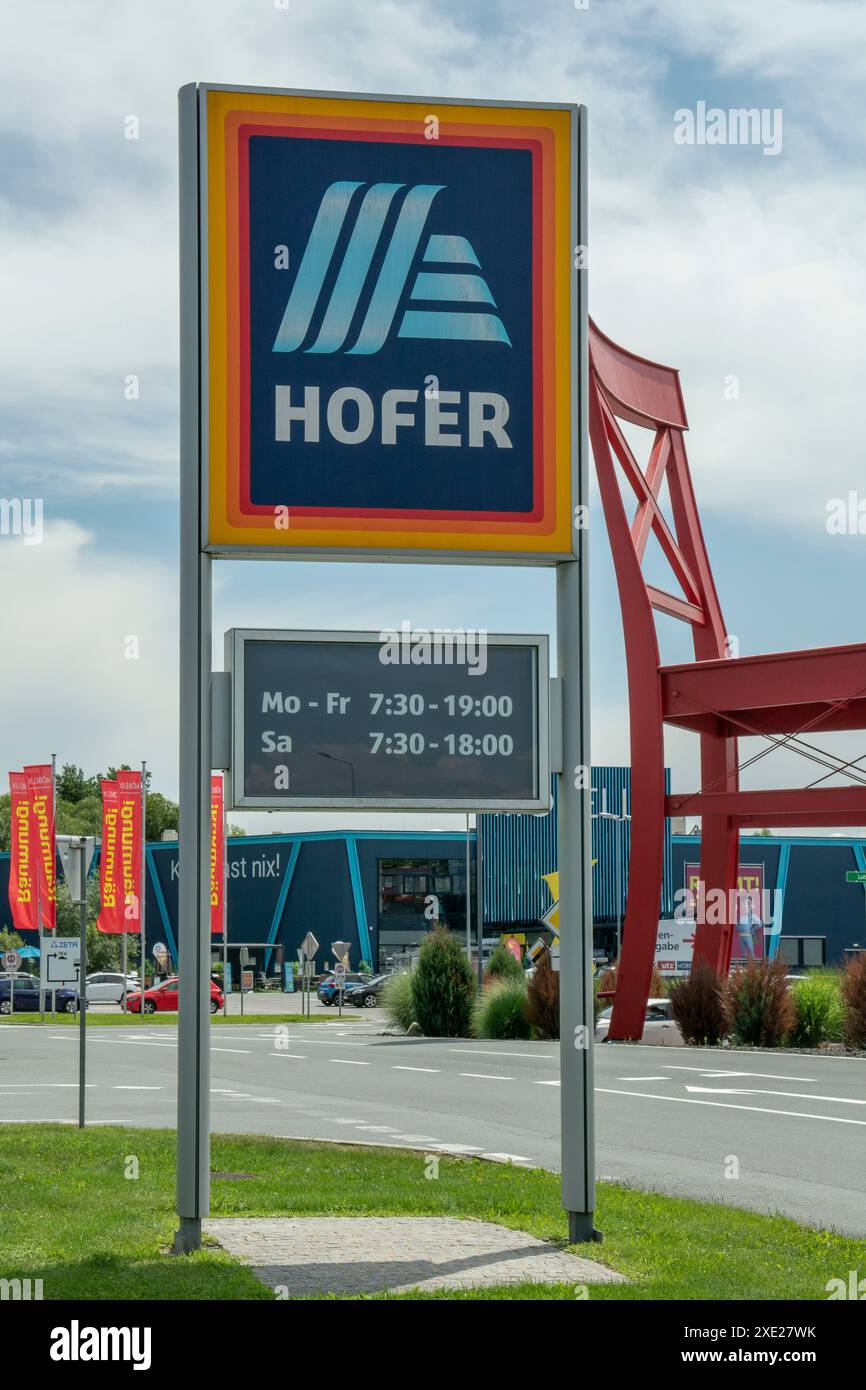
518,849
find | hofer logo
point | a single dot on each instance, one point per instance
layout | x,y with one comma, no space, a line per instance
450,280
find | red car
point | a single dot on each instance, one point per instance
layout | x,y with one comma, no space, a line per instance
164,997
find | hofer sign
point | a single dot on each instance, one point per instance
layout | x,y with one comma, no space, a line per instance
389,326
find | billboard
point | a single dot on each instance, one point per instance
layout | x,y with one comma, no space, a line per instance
373,721
389,345
751,912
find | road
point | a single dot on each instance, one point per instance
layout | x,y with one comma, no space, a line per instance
769,1131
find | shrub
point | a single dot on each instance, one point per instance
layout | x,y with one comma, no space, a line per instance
542,999
854,1001
502,966
758,1004
817,1010
697,1005
443,987
500,1011
397,1000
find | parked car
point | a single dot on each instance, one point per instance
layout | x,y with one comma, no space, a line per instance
163,998
329,988
27,995
106,987
366,996
659,1026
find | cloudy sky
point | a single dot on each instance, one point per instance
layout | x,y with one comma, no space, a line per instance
737,266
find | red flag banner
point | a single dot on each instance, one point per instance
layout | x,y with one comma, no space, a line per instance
40,790
23,867
129,848
110,917
217,855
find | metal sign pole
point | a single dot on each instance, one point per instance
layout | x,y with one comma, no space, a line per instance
82,988
193,1089
468,894
574,803
141,940
479,901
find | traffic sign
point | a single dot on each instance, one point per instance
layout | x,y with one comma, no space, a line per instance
855,876
340,971
309,947
11,960
59,961
404,720
341,951
69,849
389,334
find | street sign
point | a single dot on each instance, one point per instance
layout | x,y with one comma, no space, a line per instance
59,962
246,981
309,947
404,720
536,949
388,343
340,972
855,876
11,960
341,950
69,849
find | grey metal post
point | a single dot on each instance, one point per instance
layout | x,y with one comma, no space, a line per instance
468,894
193,1088
141,940
479,900
82,989
574,795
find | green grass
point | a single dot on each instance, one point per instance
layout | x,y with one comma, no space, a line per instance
124,1020
69,1216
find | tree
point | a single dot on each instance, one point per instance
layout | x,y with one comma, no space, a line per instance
10,940
443,987
5,822
502,966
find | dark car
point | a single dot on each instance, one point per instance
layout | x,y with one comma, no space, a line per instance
329,989
27,996
366,996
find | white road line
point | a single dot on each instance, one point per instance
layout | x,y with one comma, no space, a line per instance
136,1088
415,1139
459,1148
546,1083
329,1120
41,1085
244,1050
140,1042
295,1056
377,1129
725,1105
348,1062
399,1068
482,1076
758,1075
756,1091
487,1052
646,1078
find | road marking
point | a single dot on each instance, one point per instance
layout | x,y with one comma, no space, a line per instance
295,1056
756,1091
136,1088
329,1120
140,1042
647,1078
377,1129
245,1050
726,1105
39,1085
482,1076
546,1083
758,1075
459,1148
415,1139
349,1062
486,1052
399,1068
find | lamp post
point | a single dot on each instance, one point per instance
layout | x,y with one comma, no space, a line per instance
332,757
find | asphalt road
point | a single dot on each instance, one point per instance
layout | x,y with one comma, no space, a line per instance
769,1131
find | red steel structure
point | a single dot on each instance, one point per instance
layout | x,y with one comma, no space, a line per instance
781,696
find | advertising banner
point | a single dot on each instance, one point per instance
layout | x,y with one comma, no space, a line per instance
750,911
217,855
40,789
23,868
110,917
129,833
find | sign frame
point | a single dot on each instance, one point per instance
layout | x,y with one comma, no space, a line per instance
235,642
563,195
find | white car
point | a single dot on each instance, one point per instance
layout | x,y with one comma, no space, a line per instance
106,987
659,1026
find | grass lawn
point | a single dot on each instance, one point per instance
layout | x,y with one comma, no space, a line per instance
124,1020
70,1216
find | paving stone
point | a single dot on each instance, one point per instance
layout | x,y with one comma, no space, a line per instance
303,1256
